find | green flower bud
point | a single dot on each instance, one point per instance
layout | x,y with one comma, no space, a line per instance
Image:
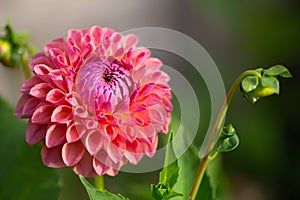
255,87
5,52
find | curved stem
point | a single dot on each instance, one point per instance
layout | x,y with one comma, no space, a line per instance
215,132
99,183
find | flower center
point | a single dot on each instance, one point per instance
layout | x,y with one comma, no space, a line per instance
102,85
113,73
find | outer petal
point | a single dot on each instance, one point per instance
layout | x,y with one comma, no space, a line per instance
133,153
72,153
85,167
35,132
52,156
40,90
20,106
42,115
56,96
72,133
31,82
56,135
99,167
94,142
62,114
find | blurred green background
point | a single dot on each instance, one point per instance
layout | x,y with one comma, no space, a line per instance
238,35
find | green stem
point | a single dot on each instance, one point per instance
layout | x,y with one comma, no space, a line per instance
99,183
206,159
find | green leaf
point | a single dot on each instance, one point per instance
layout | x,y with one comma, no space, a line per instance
278,70
189,163
228,139
211,187
250,83
168,176
95,194
23,175
170,172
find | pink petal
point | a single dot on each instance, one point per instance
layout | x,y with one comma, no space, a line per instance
85,167
109,132
40,90
130,133
112,171
80,111
30,107
52,156
153,63
57,77
72,153
119,52
146,132
31,82
151,148
130,41
72,134
42,69
39,58
156,116
133,152
146,89
94,142
114,152
42,115
62,114
167,104
35,132
99,167
20,105
76,35
56,135
141,55
96,33
55,96
55,44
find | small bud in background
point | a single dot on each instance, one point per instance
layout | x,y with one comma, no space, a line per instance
15,51
5,52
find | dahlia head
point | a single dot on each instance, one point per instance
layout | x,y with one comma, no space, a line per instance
95,102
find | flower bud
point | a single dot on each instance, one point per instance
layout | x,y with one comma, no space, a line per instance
5,52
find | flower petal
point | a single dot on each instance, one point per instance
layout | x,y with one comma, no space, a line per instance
85,167
20,105
114,152
55,96
72,153
94,142
56,135
72,134
42,69
62,114
40,90
99,167
133,152
42,115
35,132
31,82
52,156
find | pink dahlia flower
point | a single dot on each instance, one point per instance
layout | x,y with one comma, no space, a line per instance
96,101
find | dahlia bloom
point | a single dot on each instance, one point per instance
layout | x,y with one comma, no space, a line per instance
95,102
